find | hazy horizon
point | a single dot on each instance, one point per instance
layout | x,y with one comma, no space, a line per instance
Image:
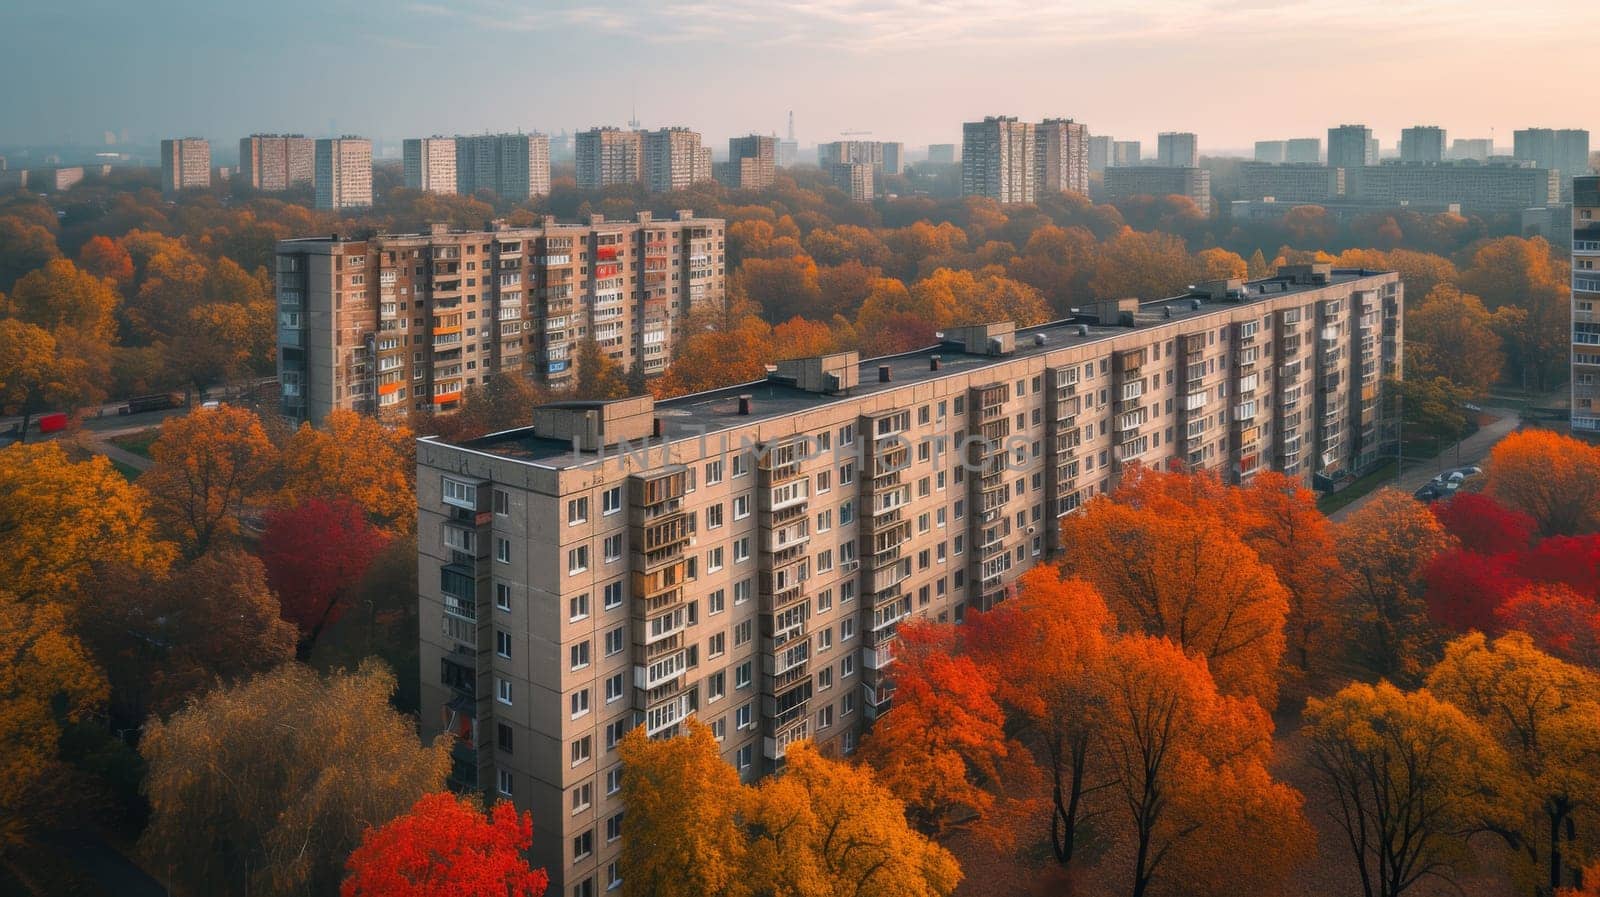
1233,71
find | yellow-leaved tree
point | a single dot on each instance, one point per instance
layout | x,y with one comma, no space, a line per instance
355,457
209,465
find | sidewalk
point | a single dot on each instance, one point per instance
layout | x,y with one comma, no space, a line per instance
1474,449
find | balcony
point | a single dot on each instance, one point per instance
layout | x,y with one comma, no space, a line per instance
661,671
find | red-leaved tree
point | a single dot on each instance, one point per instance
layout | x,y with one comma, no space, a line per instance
1466,588
446,847
1484,525
315,553
1560,621
1572,560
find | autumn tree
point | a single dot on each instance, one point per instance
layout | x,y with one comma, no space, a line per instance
684,837
1409,776
1279,519
718,357
446,846
1482,524
208,465
785,287
24,247
165,637
46,679
1184,576
1555,479
506,402
77,311
826,827
36,376
1545,715
1220,264
1450,335
267,786
315,554
354,457
1190,767
59,518
1465,589
598,376
1560,621
1384,549
106,258
1044,649
950,298
941,746
1524,278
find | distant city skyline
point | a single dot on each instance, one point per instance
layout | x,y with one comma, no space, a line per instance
732,67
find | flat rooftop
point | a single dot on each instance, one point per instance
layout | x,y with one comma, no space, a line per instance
706,413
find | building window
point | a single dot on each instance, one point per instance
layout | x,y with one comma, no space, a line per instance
741,675
581,750
825,639
847,629
502,550
741,507
613,595
825,678
741,592
462,495
741,717
582,797
502,596
713,473
714,559
611,500
717,645
746,757
578,607
714,516
716,686
503,691
580,655
716,602
580,703
825,717
615,642
577,511
613,828
847,666
613,546
824,480
503,782
741,550
614,688
503,737
502,502
582,846
741,465
613,780
578,559
502,643
741,633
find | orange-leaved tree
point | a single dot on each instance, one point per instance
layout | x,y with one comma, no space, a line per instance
446,846
941,746
1183,574
684,836
1044,649
355,457
209,465
1553,478
1191,771
1384,549
1278,517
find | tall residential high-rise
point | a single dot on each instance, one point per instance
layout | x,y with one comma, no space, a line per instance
1272,152
1123,183
1422,143
1062,157
789,148
1374,151
745,556
942,153
273,163
752,162
1303,150
1099,153
998,159
512,166
185,164
607,156
344,173
1126,154
508,301
1347,146
1565,150
1177,149
1585,415
854,178
429,164
1471,149
886,157
674,159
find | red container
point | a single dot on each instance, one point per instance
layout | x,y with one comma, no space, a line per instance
52,423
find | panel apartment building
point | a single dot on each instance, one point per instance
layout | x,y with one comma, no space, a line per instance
273,163
343,173
512,166
1013,161
429,164
1585,298
185,164
396,323
1150,180
662,160
745,555
752,162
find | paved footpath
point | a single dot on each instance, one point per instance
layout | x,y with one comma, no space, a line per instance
1474,449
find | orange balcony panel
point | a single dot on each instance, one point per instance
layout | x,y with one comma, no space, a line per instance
388,388
446,397
446,331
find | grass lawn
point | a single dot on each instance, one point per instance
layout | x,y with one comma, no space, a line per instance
138,443
1384,475
128,471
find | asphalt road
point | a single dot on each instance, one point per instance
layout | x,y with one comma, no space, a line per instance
1474,449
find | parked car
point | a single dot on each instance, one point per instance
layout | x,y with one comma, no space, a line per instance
160,401
1427,493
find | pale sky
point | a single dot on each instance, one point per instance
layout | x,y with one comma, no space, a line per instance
1231,70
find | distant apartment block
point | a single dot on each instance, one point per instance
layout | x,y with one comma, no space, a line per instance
1349,147
1099,153
1565,150
429,164
1290,183
1585,299
1062,156
609,156
1176,149
1303,151
512,166
1422,143
884,156
998,159
745,556
344,173
1126,154
397,323
942,153
1471,149
854,178
788,153
272,163
1152,180
752,162
185,164
1272,152
61,179
674,159
1491,188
